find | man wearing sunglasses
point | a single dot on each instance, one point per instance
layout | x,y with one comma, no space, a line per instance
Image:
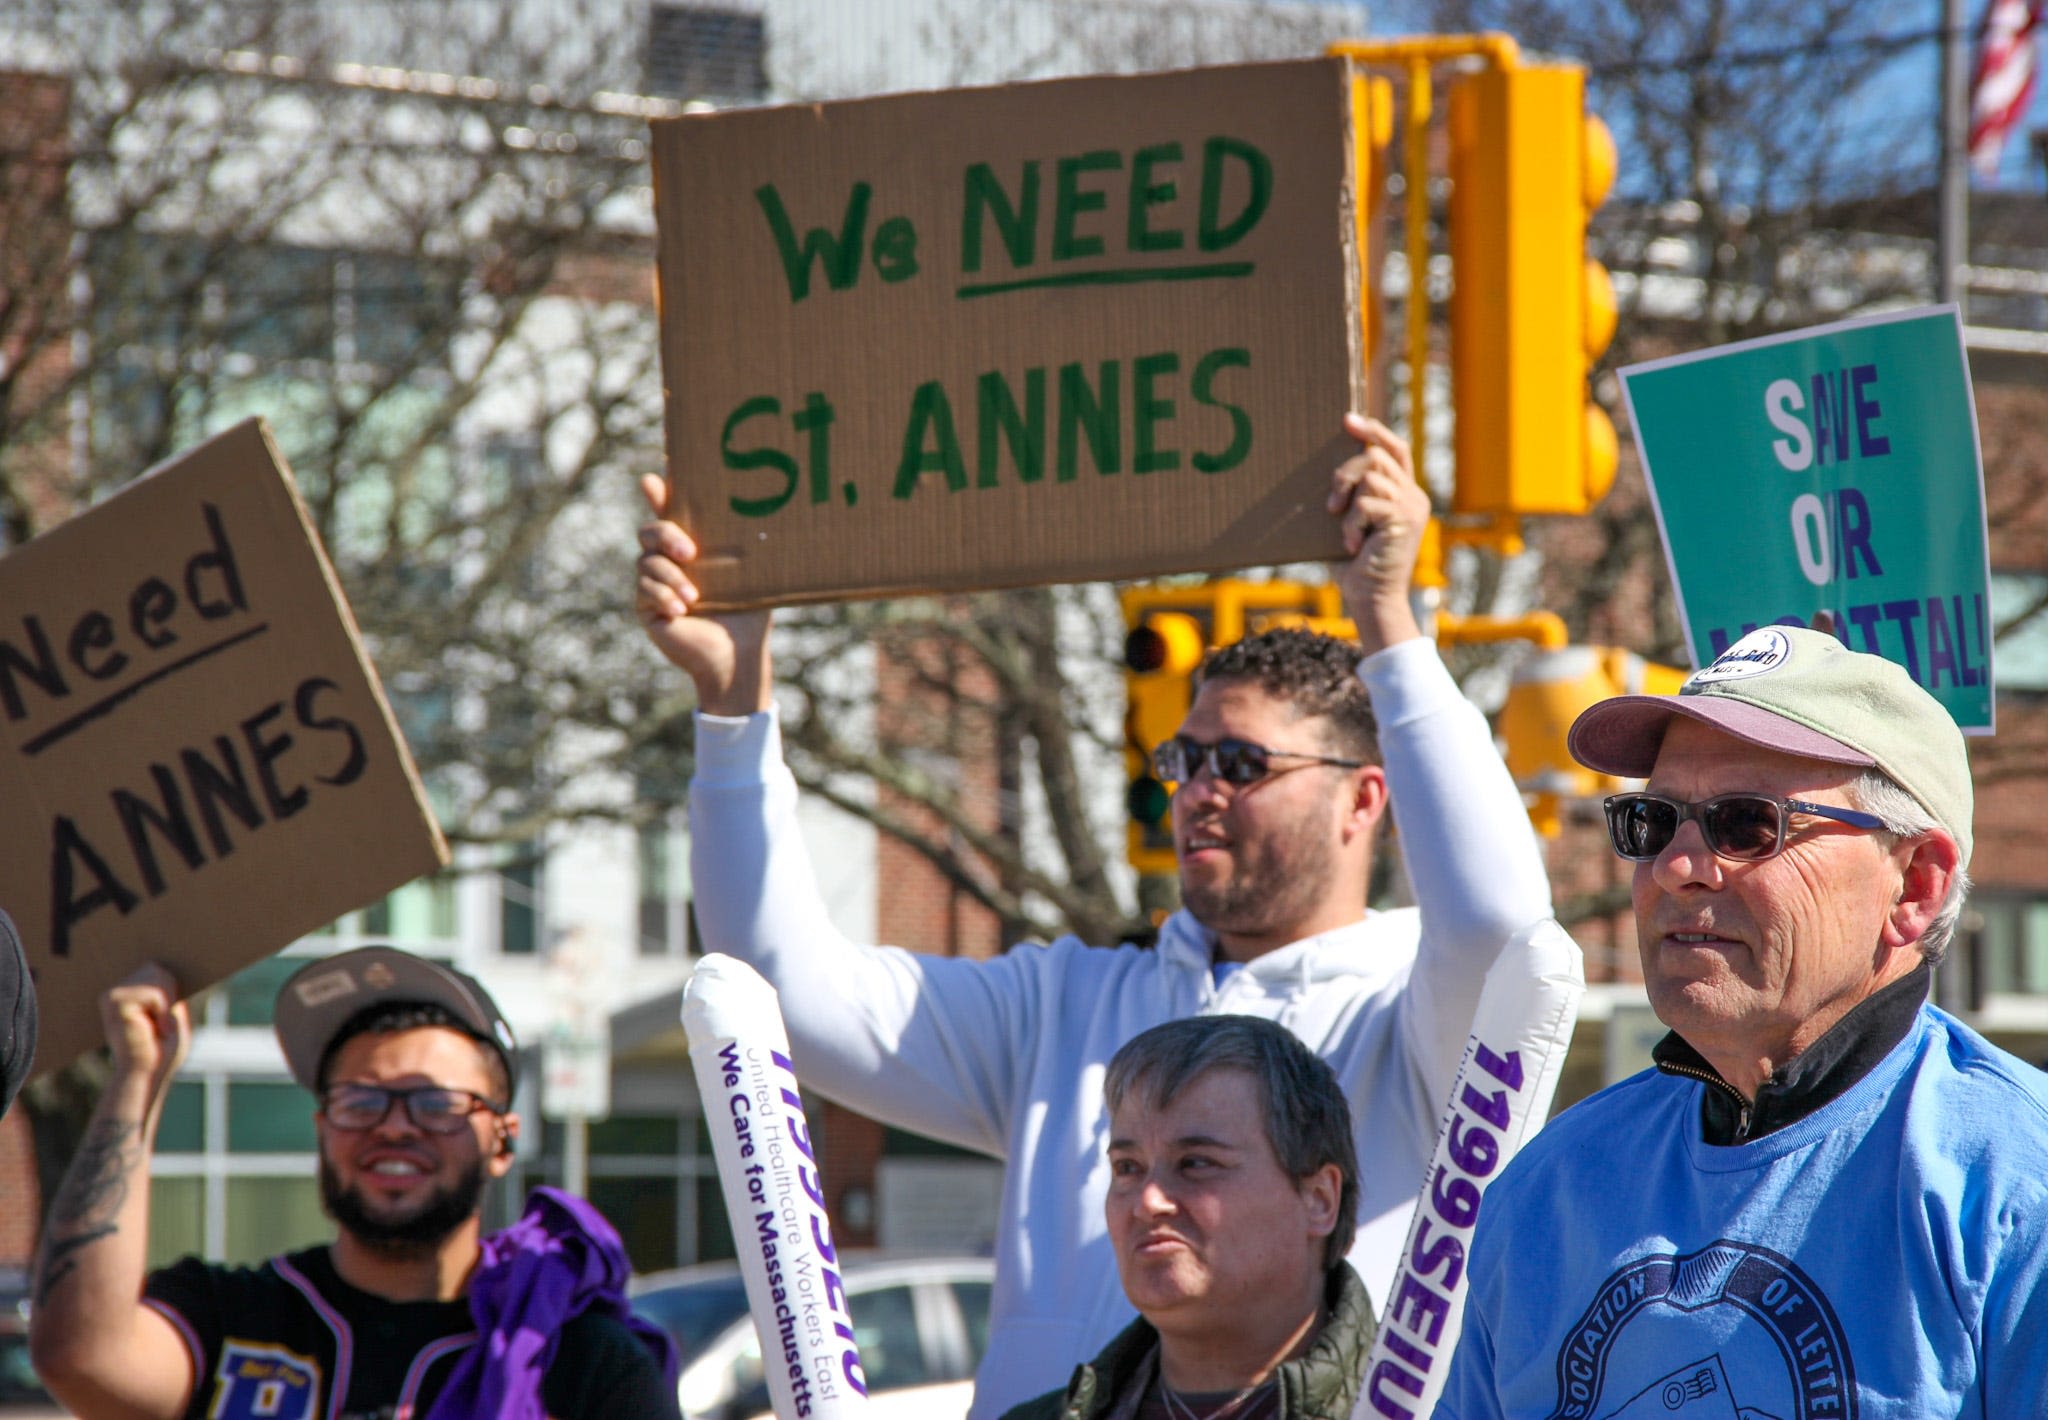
1829,1197
411,1310
1284,767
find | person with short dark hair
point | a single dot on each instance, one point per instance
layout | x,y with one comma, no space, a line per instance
1294,752
1828,1197
411,1310
1233,1189
17,1014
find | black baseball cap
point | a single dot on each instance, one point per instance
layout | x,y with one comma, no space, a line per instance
318,999
17,1014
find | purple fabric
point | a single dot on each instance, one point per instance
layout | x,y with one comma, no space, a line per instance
560,1260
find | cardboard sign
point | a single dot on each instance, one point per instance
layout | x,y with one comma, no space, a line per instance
196,761
1081,329
1833,469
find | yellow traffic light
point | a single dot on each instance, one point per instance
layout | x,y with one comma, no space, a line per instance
1162,650
1529,313
1550,690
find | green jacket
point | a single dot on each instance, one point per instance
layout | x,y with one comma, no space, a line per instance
1321,1384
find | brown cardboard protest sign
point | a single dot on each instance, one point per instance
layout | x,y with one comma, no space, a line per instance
1088,328
196,761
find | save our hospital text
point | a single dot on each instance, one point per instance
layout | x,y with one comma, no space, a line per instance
1834,422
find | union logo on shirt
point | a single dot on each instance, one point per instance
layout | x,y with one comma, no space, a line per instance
1766,1342
258,1380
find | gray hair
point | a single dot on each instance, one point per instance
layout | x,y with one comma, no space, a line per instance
1875,792
1308,1120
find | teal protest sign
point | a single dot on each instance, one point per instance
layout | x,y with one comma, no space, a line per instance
1833,469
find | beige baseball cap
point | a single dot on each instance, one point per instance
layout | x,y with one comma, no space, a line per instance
1804,693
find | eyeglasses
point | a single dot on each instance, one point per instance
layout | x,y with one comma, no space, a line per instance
1745,827
433,1109
1230,760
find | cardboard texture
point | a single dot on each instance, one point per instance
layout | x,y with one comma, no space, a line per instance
196,760
1063,331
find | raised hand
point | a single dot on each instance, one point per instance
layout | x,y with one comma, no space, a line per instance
725,654
1384,512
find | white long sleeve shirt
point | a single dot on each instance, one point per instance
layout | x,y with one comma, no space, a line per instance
1007,1056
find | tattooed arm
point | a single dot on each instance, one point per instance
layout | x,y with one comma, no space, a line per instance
97,1348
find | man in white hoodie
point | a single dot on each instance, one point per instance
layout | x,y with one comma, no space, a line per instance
1283,781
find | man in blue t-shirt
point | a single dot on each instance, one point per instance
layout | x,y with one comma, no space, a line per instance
1829,1198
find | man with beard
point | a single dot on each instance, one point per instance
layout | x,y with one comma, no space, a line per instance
410,1311
1285,765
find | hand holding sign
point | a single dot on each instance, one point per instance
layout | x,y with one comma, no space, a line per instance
1384,511
149,1029
725,655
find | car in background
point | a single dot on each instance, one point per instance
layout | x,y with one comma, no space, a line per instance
921,1324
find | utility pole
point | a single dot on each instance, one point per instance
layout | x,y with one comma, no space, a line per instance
1953,242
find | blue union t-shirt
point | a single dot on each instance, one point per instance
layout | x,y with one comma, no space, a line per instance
1880,1259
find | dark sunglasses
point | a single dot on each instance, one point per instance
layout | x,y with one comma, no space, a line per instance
1230,761
1745,827
435,1110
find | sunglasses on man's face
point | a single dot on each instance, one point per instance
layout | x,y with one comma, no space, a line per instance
1230,761
432,1109
1745,827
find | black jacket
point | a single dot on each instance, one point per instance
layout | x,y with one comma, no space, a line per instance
1320,1384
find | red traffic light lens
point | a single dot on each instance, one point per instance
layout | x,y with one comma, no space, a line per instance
1144,649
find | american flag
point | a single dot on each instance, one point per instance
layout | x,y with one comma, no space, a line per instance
2004,80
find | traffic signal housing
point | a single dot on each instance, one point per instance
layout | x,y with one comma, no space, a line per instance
1529,313
1162,651
1550,690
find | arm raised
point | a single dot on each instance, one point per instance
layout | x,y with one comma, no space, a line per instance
96,1346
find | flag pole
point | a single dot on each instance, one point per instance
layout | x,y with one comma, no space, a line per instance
1953,243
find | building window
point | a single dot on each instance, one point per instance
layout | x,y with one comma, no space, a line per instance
269,1117
418,913
252,992
2019,603
2011,953
182,1128
644,1210
667,926
706,52
641,1179
177,1219
714,1227
519,902
267,1216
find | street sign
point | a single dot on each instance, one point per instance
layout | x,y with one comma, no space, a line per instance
576,1076
1834,469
